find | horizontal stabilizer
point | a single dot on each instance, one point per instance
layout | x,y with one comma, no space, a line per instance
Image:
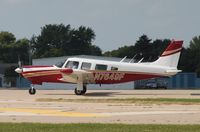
173,71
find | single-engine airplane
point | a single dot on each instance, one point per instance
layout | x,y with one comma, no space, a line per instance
82,71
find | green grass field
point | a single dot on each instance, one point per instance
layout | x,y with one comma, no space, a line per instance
182,101
36,127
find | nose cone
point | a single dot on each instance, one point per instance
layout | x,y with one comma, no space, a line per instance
18,70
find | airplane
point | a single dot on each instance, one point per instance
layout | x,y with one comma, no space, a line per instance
82,71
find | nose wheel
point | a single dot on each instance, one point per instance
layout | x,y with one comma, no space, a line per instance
32,90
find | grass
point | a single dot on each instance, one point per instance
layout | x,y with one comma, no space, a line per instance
182,101
37,127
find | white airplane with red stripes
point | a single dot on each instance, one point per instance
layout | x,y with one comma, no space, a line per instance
82,71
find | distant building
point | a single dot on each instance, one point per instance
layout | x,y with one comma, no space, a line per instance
18,81
1,80
179,81
185,81
3,67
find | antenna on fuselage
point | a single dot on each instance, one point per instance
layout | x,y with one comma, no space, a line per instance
140,60
123,59
132,58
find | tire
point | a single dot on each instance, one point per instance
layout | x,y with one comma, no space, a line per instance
78,92
84,89
32,91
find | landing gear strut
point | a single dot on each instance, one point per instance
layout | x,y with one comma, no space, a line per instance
32,90
80,92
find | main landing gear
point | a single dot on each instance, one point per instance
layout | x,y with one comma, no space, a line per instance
77,91
32,90
80,92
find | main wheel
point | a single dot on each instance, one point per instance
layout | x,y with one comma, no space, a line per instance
32,91
78,92
84,89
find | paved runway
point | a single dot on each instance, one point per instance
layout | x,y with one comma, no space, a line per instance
19,106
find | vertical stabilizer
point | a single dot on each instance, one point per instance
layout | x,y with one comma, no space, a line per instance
171,55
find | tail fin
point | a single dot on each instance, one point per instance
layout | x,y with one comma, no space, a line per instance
171,55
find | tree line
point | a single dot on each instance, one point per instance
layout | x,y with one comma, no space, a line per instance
63,40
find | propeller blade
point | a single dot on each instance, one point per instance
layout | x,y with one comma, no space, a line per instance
20,70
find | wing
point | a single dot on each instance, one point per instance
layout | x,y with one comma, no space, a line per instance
77,76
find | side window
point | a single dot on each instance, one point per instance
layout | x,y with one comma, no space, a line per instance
86,66
72,64
114,68
100,67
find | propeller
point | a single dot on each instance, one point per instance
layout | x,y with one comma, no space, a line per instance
19,69
19,63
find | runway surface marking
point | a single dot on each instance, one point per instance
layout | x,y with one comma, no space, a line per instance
47,112
52,112
149,113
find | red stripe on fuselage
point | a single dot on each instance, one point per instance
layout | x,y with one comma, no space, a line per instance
36,66
47,78
40,71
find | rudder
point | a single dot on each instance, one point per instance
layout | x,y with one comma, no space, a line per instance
171,55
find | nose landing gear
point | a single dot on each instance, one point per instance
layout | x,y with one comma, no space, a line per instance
32,90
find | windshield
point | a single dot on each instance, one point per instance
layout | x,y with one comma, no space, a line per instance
72,64
60,64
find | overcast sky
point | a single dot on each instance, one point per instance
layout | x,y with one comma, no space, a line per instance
115,22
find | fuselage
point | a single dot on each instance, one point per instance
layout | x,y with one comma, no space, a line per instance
95,72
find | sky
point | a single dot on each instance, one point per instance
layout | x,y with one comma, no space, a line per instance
116,22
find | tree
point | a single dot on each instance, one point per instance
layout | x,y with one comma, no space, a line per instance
7,38
190,59
51,40
60,40
82,40
157,48
22,50
121,52
10,48
143,48
195,44
184,65
95,50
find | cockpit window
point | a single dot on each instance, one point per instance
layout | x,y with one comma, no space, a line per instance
72,64
60,64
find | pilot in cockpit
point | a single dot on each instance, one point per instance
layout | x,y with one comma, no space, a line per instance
75,65
72,64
